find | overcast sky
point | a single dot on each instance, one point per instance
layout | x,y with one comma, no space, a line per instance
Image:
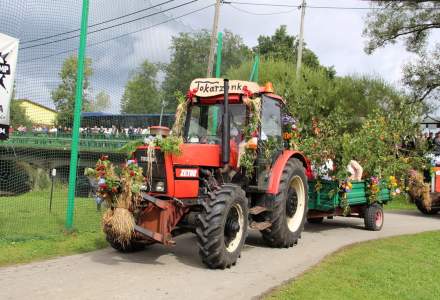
335,35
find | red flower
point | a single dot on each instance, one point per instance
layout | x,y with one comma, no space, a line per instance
102,173
103,186
104,157
132,174
114,189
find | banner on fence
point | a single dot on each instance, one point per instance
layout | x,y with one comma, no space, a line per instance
8,62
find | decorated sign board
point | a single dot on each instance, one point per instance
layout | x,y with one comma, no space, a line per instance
8,61
210,87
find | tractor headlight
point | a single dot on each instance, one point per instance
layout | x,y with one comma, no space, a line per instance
160,186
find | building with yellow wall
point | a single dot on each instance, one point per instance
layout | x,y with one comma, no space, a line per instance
37,113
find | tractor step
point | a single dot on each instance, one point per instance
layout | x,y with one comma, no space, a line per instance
260,225
256,210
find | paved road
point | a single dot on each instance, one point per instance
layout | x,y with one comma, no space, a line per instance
176,273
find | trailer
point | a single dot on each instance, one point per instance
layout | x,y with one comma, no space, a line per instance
326,200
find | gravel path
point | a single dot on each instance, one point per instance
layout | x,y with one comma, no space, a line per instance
177,273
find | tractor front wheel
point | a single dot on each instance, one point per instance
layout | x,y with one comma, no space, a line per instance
223,226
289,210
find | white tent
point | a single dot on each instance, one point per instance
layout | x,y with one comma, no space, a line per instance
8,62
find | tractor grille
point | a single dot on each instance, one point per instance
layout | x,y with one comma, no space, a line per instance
159,173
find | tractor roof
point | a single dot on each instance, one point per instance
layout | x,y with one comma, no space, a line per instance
212,88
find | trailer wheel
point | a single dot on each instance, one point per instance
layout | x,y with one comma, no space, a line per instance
373,217
421,207
289,208
132,246
315,220
223,226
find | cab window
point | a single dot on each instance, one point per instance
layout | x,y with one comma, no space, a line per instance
271,119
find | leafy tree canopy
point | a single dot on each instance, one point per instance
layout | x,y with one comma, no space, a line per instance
101,102
189,60
411,21
317,95
141,92
64,95
283,46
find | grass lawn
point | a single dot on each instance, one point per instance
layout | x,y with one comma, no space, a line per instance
400,202
28,231
405,267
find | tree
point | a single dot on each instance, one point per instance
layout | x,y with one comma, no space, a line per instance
412,22
18,113
101,102
64,95
189,60
317,96
141,92
285,47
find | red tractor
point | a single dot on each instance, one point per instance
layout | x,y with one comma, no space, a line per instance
209,190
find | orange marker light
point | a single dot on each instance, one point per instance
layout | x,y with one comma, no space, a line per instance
269,87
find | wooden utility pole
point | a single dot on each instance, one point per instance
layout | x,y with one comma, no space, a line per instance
213,38
301,40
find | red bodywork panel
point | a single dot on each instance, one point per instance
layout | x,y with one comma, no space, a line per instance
278,167
203,155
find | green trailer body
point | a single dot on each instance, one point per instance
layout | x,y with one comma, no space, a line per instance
327,199
327,202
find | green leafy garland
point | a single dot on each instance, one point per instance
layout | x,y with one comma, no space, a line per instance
247,160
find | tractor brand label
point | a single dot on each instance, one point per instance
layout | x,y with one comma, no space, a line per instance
209,87
187,173
8,61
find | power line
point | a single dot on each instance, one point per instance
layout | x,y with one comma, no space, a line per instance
110,27
97,24
120,36
262,14
308,6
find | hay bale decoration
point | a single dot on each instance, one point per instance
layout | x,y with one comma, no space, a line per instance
120,188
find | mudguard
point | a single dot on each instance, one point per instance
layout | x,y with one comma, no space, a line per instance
277,169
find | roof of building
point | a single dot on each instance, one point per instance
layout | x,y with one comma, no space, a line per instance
36,104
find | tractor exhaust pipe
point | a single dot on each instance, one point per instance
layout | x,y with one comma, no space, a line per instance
226,149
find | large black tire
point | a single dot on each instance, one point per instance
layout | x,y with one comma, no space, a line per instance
223,226
132,246
289,208
421,207
373,217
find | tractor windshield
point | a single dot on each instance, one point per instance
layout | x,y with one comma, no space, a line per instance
204,123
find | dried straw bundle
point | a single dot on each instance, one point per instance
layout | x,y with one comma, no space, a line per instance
418,189
180,118
120,222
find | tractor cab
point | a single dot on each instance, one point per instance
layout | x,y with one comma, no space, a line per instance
208,122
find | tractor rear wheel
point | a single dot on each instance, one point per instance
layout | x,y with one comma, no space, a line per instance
289,208
223,226
131,246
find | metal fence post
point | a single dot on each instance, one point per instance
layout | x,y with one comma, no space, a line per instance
77,116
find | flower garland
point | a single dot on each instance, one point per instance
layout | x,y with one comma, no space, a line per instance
291,135
247,160
345,187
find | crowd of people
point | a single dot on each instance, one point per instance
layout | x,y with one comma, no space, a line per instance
95,131
433,141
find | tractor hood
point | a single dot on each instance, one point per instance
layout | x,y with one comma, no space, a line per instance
198,155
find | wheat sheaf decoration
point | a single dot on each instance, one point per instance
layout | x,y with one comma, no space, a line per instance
119,187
